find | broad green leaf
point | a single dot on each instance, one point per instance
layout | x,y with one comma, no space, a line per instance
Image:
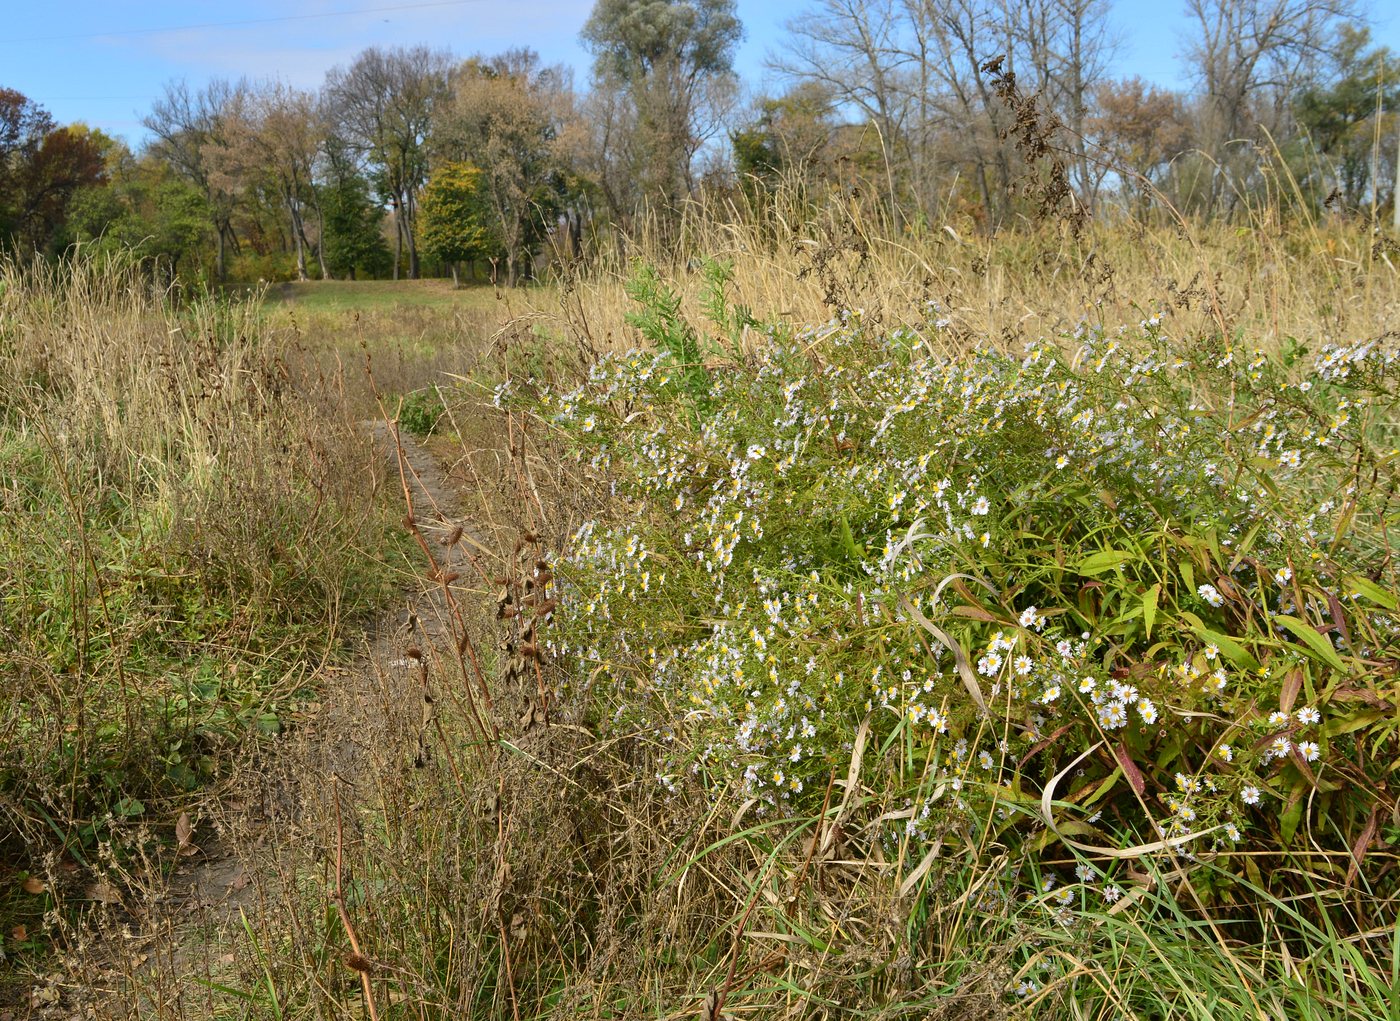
1313,639
1370,590
1229,648
1292,815
1104,560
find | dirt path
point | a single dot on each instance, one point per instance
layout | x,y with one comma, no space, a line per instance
163,952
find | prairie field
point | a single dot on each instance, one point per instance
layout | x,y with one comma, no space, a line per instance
834,622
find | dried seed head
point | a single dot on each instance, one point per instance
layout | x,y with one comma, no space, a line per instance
500,579
409,521
529,536
413,652
453,537
530,651
360,963
450,577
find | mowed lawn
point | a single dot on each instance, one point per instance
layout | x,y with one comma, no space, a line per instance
379,295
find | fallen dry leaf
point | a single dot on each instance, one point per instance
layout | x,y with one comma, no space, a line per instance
104,893
184,830
19,934
33,884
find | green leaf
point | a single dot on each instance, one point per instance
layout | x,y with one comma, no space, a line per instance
1314,640
1370,590
1149,606
1104,560
1229,648
1292,815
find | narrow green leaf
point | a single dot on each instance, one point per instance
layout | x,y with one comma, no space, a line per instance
1229,648
1149,606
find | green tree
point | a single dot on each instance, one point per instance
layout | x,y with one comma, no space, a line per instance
452,218
505,115
146,208
352,235
1340,115
383,103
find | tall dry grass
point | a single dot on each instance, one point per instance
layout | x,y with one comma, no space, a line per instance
1268,278
185,523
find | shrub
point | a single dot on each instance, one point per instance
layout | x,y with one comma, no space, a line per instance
421,411
1122,595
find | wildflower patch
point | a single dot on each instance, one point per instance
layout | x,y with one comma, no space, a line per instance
1114,550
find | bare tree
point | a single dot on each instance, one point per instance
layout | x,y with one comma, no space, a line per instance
383,105
272,135
188,126
663,78
1250,56
858,51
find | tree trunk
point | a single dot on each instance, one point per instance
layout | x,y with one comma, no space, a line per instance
297,238
398,239
321,240
456,281
408,233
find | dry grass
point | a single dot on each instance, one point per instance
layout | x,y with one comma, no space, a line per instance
1264,280
187,523
488,864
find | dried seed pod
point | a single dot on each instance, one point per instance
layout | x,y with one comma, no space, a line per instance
413,652
453,537
360,963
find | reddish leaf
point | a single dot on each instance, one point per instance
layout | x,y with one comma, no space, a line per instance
1338,617
1041,745
1360,847
1288,694
1130,769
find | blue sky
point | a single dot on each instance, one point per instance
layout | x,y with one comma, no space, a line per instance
104,62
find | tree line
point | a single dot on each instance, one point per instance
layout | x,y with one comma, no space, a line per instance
409,159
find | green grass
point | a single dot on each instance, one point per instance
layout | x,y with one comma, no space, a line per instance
187,527
363,296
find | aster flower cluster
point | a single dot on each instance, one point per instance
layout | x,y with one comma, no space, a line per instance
995,561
